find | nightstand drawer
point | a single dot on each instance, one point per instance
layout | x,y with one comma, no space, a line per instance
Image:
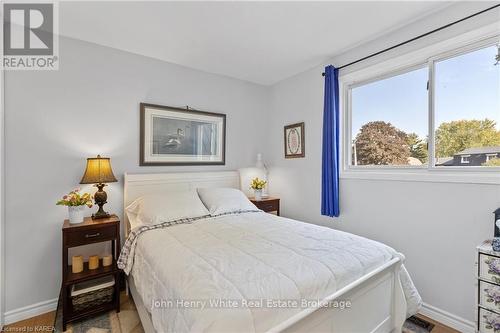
82,237
489,295
268,206
489,268
487,321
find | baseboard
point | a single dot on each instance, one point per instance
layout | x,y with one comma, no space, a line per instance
448,319
444,317
29,311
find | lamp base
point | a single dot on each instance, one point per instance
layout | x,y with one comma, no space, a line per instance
98,215
100,198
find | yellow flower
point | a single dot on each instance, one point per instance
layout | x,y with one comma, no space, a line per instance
258,184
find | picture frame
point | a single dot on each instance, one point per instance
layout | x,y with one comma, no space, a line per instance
176,136
294,140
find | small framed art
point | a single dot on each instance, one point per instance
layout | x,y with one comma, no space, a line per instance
175,136
294,140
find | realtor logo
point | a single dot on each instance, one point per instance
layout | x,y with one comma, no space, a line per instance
29,41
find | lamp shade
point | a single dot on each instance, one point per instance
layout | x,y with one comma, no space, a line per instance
98,171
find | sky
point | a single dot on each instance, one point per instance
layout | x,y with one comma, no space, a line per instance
467,87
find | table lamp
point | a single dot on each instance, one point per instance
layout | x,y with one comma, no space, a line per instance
247,174
99,172
262,166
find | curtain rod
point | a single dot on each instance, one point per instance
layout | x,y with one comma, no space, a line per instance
418,37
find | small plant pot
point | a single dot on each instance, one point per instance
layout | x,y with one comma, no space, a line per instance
258,195
75,214
496,244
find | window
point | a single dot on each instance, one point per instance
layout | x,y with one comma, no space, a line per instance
467,107
390,117
489,157
389,120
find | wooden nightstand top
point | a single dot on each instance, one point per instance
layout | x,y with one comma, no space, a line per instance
252,199
88,222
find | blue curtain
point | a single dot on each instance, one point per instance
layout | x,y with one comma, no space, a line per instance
330,162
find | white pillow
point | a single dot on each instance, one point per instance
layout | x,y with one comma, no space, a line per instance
156,208
225,200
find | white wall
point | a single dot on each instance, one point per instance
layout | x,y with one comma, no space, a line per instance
436,225
2,200
55,119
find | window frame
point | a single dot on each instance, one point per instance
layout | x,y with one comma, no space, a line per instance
384,76
426,57
490,157
471,47
464,159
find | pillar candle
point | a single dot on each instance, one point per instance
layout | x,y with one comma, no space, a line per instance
94,262
107,260
77,264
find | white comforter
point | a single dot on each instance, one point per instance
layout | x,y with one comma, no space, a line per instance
182,271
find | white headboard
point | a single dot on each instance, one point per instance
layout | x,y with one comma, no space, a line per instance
137,185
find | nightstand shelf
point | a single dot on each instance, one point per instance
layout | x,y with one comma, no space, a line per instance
89,232
87,274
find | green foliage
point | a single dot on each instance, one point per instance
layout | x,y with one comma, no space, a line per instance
455,136
492,162
418,147
380,143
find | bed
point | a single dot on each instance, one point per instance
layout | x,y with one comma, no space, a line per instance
249,271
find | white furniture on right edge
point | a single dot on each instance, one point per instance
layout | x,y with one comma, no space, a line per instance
488,289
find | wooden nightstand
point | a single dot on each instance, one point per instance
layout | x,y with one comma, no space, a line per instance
88,232
269,205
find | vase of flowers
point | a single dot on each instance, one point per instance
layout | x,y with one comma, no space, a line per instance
257,186
76,203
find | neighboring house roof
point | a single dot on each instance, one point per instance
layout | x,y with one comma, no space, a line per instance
480,150
444,160
414,161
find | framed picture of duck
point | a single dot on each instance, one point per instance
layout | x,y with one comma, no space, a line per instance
177,136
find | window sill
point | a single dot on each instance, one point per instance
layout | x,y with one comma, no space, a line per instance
489,177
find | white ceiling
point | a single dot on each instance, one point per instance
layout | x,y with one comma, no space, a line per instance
261,42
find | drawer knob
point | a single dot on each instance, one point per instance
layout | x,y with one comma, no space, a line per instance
97,234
